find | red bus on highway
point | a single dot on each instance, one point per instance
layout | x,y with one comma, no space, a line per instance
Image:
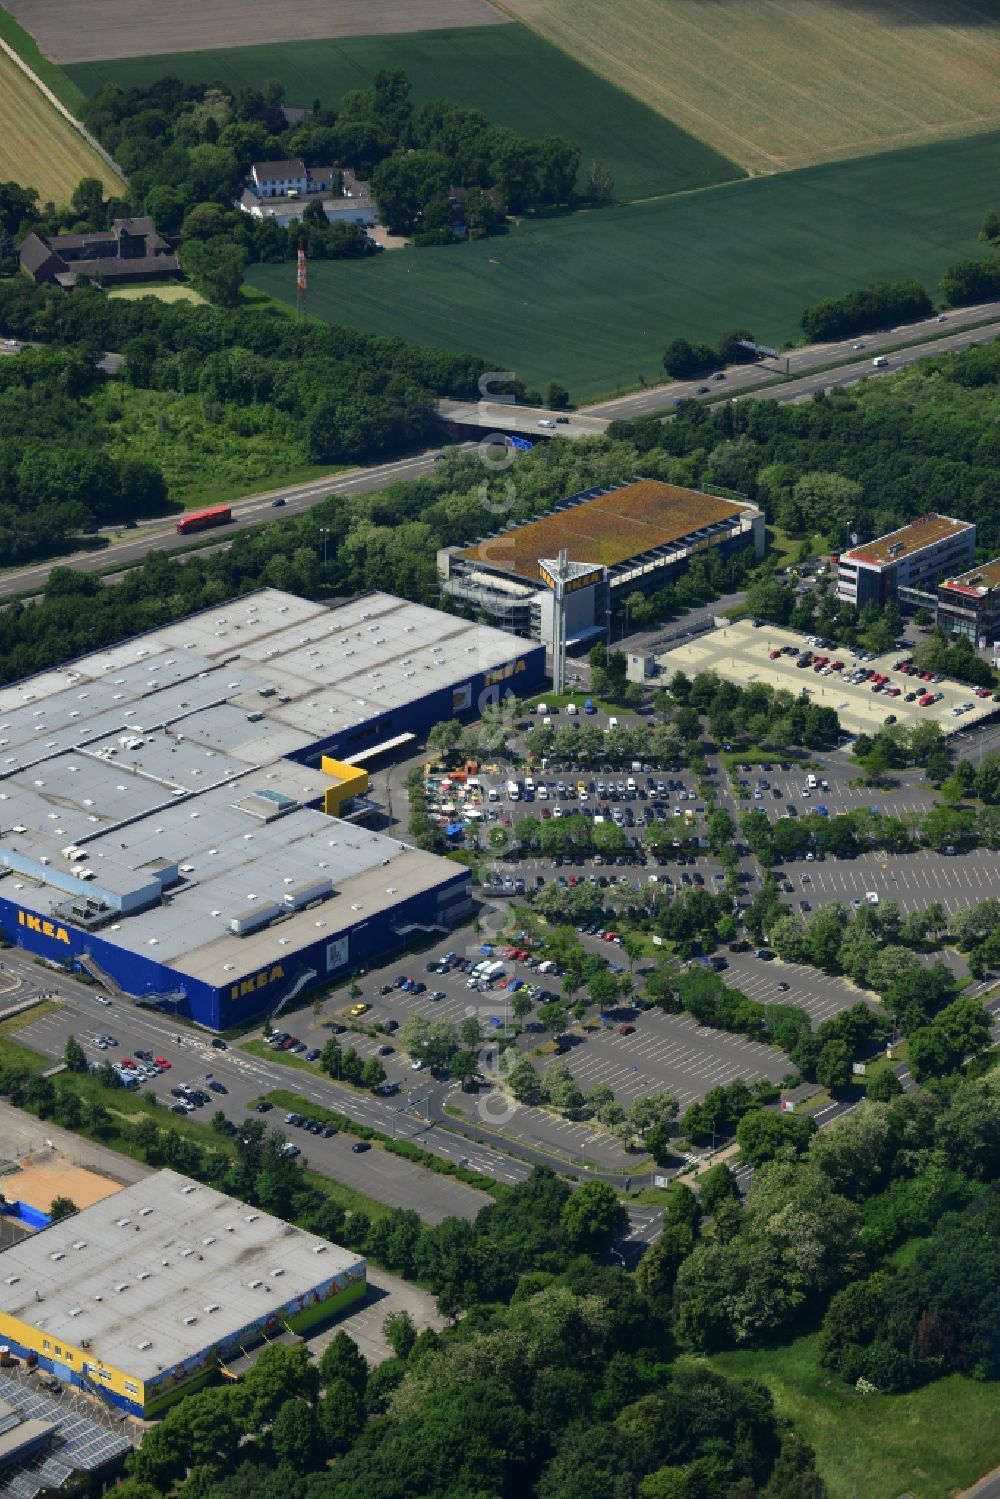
202,519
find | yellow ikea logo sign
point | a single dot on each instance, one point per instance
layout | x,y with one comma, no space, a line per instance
44,928
256,981
502,673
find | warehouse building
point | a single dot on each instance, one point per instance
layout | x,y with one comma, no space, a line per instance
912,558
969,605
142,1296
175,811
632,537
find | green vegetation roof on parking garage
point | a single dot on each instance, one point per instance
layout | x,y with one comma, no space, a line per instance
608,527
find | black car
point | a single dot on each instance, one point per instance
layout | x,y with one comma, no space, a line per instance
263,1107
218,1087
391,1026
218,1043
328,1131
360,1146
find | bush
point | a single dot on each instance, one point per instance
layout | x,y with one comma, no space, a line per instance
864,310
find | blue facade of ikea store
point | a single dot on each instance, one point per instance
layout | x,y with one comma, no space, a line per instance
483,690
362,943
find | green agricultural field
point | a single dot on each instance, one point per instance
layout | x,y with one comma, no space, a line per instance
929,1444
593,299
513,76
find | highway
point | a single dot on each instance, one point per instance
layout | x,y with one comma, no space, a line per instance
931,336
150,536
809,369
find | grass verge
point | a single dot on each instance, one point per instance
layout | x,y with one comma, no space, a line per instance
928,1443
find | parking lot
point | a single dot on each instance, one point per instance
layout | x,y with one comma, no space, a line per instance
741,653
245,1078
913,880
819,994
908,793
671,1052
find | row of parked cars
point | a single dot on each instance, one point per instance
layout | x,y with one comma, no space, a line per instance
315,1127
285,1041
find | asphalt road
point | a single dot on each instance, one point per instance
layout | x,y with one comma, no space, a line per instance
804,364
806,380
246,1078
150,536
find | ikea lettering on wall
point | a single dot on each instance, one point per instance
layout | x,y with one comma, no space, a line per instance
44,928
503,672
256,981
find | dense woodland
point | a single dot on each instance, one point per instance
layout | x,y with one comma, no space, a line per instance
80,450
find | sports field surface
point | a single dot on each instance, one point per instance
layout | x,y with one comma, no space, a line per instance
777,84
513,76
592,300
71,31
39,148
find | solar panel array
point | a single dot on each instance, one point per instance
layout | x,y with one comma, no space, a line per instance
79,1445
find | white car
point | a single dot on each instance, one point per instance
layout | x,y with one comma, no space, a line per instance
416,1065
546,423
871,896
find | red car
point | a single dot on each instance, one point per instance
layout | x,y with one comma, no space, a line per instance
926,700
773,655
625,1030
127,1062
836,665
161,1062
983,692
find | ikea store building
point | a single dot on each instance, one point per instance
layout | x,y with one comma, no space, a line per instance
176,811
150,1292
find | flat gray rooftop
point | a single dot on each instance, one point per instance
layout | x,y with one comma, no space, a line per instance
161,1270
172,749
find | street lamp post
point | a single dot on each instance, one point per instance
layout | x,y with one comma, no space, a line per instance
324,531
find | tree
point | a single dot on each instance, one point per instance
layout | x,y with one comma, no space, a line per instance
342,1359
593,1218
62,1207
557,164
683,360
521,1078
216,266
74,1055
833,1066
762,1135
656,1272
372,1074
295,1436
716,1186
400,1333
464,1066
